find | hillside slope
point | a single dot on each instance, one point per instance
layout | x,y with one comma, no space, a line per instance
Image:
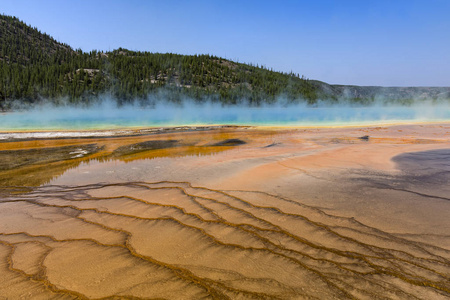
35,68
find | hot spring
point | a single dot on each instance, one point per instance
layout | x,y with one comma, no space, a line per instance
109,116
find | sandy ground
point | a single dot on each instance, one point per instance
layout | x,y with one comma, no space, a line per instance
229,213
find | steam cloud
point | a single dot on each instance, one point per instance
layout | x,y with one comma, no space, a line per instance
107,115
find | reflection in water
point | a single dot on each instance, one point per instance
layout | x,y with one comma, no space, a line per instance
34,163
43,173
178,152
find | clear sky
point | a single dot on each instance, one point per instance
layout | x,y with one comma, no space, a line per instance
373,42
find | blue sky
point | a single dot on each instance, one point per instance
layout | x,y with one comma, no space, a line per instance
389,43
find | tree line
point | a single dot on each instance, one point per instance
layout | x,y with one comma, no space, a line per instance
34,68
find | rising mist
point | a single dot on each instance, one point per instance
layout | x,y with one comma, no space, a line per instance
107,114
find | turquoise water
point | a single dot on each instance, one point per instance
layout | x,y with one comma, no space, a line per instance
110,117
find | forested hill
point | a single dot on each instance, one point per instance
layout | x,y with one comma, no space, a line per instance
34,68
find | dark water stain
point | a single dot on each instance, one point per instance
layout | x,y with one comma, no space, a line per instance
364,138
145,146
425,174
425,167
230,142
